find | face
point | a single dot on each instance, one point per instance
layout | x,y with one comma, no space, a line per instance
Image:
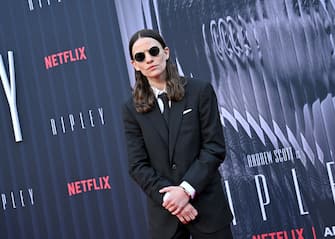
153,58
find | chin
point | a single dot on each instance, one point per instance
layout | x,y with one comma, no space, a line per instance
155,75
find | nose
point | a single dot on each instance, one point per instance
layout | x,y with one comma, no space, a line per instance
148,57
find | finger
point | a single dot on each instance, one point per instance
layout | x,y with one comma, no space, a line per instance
177,211
165,189
187,218
188,215
168,204
184,220
171,208
192,216
165,204
193,213
181,219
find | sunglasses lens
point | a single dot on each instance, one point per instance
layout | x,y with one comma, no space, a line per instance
139,56
154,51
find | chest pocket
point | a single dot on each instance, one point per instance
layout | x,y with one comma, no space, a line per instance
190,121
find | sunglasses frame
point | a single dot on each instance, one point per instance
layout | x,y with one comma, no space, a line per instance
153,51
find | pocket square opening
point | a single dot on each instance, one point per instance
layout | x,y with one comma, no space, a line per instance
187,111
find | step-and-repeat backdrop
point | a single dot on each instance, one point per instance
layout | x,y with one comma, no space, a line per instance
65,72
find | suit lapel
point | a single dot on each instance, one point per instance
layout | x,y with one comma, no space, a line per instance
168,135
175,118
157,121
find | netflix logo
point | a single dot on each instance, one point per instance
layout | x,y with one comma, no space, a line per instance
64,57
296,233
88,185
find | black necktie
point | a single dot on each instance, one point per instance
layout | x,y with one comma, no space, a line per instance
166,110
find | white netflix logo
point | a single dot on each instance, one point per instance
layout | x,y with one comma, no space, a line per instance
10,91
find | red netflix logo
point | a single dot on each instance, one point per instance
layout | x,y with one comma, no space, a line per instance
297,233
64,57
87,185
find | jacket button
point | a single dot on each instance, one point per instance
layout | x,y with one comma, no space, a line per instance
174,166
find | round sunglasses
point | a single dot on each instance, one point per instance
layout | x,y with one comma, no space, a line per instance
140,56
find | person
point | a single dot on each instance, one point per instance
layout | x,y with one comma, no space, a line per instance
175,145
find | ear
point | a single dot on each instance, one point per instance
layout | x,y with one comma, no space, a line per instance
134,63
166,53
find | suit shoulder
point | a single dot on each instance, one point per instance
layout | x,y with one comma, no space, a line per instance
129,101
128,104
197,85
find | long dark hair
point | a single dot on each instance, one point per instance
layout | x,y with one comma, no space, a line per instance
143,96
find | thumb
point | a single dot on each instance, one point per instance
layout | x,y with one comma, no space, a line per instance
165,190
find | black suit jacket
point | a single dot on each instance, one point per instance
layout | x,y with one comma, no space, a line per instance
190,149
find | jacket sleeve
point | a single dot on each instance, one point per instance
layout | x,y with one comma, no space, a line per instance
212,144
139,165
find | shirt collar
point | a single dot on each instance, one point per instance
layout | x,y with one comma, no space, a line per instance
157,91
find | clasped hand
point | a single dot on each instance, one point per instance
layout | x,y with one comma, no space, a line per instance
176,201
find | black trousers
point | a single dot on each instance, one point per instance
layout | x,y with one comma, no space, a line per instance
184,233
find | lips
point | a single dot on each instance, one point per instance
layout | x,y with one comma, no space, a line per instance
152,67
